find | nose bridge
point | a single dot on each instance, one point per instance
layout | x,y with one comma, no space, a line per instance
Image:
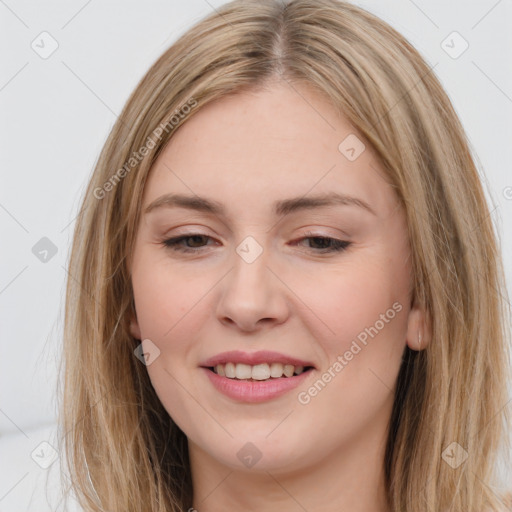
251,292
249,275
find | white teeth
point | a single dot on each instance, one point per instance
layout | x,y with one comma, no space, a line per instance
261,371
229,368
276,370
243,371
288,370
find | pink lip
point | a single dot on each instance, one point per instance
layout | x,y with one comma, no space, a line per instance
253,358
254,391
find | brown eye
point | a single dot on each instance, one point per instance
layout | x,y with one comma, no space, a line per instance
326,244
176,243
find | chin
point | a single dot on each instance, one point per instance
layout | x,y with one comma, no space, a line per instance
258,453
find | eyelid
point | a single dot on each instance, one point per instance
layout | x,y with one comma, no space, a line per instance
191,231
314,233
336,246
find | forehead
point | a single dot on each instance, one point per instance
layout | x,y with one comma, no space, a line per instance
251,149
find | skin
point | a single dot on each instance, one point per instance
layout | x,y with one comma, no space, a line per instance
247,151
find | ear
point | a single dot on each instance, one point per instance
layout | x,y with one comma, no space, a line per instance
419,331
134,327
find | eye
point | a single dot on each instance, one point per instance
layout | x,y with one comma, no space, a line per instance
327,244
176,243
199,241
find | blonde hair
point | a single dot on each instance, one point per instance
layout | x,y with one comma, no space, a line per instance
123,450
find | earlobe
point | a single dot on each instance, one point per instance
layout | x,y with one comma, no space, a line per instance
418,329
134,328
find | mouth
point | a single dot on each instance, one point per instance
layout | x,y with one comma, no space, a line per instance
256,376
242,387
259,372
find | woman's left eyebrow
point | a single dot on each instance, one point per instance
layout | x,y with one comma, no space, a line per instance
281,207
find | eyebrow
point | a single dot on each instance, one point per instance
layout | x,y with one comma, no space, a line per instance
282,207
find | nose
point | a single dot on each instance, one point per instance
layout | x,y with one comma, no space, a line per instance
252,295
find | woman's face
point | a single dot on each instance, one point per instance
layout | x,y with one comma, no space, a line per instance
256,272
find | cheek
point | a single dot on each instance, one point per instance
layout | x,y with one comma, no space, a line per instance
165,299
169,312
353,303
361,326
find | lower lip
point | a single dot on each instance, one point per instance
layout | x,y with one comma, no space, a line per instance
255,391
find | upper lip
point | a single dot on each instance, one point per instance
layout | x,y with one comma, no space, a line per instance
253,358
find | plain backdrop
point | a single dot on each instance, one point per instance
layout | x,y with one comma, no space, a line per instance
56,112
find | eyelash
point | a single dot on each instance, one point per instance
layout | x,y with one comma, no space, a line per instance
336,246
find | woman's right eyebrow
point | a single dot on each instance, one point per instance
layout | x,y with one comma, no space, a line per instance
281,207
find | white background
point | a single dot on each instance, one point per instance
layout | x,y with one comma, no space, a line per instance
56,114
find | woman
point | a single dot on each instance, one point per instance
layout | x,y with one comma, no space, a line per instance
286,289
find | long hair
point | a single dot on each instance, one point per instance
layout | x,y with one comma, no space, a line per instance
123,451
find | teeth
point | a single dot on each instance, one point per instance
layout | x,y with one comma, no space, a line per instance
288,370
276,370
229,368
243,371
262,371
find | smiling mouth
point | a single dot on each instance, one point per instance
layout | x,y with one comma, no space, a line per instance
258,372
